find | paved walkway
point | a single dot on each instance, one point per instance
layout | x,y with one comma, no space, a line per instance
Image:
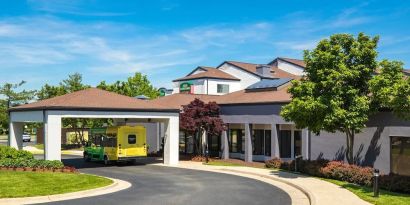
319,192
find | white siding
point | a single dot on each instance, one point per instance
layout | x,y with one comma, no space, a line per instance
213,86
246,78
290,68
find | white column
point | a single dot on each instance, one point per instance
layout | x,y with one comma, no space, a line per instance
52,137
305,143
248,143
225,145
16,130
274,142
171,155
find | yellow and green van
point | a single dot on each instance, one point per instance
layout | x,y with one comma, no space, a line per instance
119,143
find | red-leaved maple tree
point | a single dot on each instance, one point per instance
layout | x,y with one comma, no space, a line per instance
198,117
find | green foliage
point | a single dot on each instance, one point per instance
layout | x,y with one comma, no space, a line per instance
134,86
12,97
386,85
401,100
11,157
334,94
7,152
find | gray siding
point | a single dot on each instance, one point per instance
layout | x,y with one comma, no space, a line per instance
372,145
251,109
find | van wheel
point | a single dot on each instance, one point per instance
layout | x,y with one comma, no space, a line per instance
86,157
106,161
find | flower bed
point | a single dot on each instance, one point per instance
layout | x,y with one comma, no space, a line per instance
344,172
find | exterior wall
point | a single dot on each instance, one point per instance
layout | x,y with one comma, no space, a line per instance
290,68
213,86
372,145
247,79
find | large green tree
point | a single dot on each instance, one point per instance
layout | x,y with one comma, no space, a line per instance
390,89
334,95
133,86
12,97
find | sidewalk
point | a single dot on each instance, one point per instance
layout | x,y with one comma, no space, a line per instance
317,191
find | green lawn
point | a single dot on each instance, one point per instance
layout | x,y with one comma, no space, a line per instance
366,193
25,184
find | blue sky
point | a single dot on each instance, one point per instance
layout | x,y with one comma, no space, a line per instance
44,41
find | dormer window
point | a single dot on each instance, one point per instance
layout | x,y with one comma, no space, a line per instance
222,88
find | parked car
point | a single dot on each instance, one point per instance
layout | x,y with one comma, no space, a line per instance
26,137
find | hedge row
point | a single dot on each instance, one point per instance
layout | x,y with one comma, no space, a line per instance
7,152
10,157
345,172
33,163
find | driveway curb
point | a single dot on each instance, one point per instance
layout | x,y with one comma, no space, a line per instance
309,194
116,186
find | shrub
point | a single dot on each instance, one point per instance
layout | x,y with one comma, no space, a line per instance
274,163
347,172
396,183
7,152
313,167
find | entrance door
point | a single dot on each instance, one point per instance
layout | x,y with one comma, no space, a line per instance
214,144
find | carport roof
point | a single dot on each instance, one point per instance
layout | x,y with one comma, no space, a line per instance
94,99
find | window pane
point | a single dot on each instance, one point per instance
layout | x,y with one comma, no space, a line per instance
132,139
285,143
222,88
257,141
298,143
267,142
400,155
182,143
233,140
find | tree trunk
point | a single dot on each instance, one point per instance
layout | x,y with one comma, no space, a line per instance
350,143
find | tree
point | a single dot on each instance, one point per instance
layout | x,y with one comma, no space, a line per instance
198,117
134,86
391,90
334,94
12,97
72,84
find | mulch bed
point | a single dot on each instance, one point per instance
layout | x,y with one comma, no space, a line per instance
29,169
200,158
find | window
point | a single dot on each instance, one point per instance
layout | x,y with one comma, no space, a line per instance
182,142
222,88
258,142
236,137
285,143
400,155
298,143
267,142
132,139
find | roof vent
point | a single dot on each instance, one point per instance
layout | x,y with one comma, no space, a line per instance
264,70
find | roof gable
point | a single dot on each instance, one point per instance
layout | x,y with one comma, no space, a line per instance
251,68
210,73
297,62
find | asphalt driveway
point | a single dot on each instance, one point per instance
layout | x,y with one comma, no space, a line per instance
156,185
